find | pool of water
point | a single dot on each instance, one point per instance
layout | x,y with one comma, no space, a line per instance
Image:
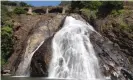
28,78
36,78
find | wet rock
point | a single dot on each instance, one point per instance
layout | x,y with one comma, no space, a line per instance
112,60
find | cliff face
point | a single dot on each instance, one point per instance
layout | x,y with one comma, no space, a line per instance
30,31
114,47
117,46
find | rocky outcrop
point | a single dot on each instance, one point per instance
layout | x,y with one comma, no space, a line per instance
22,26
112,60
41,59
29,31
116,47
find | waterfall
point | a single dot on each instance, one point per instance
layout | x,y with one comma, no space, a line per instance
24,66
73,54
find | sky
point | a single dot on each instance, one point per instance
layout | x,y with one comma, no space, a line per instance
43,3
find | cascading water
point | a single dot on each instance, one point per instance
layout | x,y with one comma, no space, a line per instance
24,66
73,54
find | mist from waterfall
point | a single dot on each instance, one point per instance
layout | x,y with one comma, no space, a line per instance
73,54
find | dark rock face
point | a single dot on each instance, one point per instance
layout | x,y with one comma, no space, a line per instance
41,59
112,60
115,46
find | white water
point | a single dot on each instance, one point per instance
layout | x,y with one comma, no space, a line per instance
73,54
24,66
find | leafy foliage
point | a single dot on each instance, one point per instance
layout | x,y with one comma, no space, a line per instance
6,35
23,4
86,4
109,7
15,3
6,42
103,7
65,3
113,5
10,3
19,10
93,5
4,14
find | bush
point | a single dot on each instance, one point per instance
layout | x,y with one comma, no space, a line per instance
93,5
23,4
6,43
19,10
110,7
10,3
6,34
4,16
113,5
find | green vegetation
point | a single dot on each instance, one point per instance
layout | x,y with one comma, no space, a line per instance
6,43
6,35
4,14
112,5
19,10
103,8
7,27
9,3
15,3
92,5
23,4
65,3
109,7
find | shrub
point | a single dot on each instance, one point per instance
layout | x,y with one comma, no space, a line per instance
6,43
10,3
109,7
93,5
23,4
113,5
4,16
19,10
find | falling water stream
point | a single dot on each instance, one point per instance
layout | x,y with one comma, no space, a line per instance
73,54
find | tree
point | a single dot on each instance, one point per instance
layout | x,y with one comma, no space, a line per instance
65,3
23,4
6,34
93,5
108,6
4,16
9,3
6,43
19,10
113,5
